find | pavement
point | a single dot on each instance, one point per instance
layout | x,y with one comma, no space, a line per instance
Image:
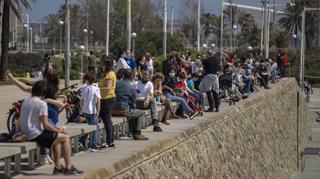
311,163
10,94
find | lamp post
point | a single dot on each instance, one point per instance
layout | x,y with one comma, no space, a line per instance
31,39
165,30
108,27
235,28
85,40
302,55
213,47
205,47
61,24
133,36
67,45
221,31
91,33
82,49
129,23
199,26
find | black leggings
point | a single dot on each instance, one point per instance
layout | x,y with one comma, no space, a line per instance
213,97
105,114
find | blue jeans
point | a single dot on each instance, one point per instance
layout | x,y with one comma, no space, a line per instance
92,120
182,101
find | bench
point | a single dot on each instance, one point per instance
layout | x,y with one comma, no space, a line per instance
74,134
85,129
30,148
6,153
120,126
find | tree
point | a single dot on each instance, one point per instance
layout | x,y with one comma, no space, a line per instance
9,5
52,27
291,20
188,19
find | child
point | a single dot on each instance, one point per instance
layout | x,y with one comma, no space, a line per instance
90,107
184,91
195,93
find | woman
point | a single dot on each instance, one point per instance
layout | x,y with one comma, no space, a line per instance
157,80
107,85
169,86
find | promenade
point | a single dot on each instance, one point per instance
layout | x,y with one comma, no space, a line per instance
100,161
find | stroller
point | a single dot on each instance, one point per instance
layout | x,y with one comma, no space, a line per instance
227,88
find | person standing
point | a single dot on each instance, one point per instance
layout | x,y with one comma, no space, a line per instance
90,107
210,83
92,63
107,87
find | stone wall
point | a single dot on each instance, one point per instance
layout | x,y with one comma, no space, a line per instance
256,139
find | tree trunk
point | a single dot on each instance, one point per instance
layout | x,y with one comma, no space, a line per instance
4,38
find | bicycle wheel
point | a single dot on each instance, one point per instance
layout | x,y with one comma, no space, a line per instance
11,121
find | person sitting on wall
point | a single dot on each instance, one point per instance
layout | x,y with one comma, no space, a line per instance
126,104
146,100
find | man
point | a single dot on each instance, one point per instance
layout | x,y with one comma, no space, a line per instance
92,63
35,124
126,105
210,82
146,100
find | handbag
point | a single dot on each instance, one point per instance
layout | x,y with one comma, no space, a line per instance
119,112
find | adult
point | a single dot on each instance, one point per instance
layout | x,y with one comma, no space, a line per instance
92,63
48,65
126,105
157,80
107,87
35,124
280,63
170,64
169,87
149,63
210,82
146,100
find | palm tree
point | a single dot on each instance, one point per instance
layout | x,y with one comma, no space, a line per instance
9,5
291,20
52,28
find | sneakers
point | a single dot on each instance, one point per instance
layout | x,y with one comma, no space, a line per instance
73,171
191,116
45,159
157,129
105,145
58,171
140,137
93,150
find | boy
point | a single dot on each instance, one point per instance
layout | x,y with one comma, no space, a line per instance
35,124
90,107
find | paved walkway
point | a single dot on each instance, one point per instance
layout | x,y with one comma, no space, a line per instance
311,169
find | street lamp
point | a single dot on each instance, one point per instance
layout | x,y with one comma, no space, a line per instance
205,47
213,47
91,33
235,28
294,36
61,24
82,49
249,48
302,43
86,39
133,36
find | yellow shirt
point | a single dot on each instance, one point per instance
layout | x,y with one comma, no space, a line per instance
103,83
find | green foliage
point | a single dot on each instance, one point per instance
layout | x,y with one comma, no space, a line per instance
21,63
148,41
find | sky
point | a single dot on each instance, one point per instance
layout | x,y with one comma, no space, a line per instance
44,7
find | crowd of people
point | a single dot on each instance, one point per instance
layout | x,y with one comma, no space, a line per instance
127,87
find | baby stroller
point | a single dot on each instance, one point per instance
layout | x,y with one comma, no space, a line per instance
227,88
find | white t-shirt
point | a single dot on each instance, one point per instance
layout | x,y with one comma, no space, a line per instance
144,90
90,95
31,110
122,64
150,64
